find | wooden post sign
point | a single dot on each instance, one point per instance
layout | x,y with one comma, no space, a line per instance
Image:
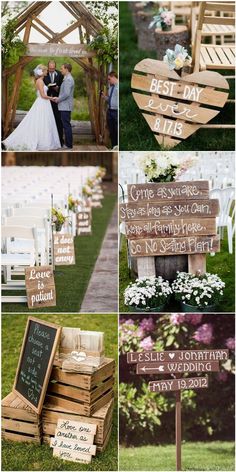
36,360
40,286
64,252
84,222
73,441
170,218
175,107
175,363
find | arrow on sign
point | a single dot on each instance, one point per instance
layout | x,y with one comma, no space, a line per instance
160,368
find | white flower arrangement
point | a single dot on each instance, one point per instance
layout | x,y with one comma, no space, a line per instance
164,168
147,293
198,290
163,19
178,58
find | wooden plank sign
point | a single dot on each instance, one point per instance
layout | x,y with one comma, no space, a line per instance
172,385
56,50
170,228
64,252
177,367
178,356
40,286
36,361
172,246
84,222
73,441
173,106
164,191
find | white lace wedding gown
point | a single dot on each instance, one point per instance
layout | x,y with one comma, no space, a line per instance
37,131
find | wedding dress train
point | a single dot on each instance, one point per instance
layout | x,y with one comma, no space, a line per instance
37,131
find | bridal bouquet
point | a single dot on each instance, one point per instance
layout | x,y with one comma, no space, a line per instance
164,168
198,290
178,58
147,293
163,19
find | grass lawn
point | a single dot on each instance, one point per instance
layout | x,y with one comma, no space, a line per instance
217,455
135,133
72,281
23,456
222,264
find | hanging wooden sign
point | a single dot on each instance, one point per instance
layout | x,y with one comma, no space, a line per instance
173,106
40,286
178,356
177,367
64,252
36,360
84,222
172,385
56,50
164,191
177,209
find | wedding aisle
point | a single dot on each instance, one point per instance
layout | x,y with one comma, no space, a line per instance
102,289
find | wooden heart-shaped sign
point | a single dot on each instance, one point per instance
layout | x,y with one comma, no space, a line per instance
175,107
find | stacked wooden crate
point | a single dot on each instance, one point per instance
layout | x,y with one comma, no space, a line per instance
19,421
80,396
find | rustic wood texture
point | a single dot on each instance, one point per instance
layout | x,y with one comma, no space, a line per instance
171,246
80,408
64,251
84,381
164,191
167,266
177,367
84,222
153,210
146,266
178,384
197,263
178,356
40,286
168,228
80,394
163,84
55,50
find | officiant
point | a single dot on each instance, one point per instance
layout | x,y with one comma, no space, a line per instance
53,80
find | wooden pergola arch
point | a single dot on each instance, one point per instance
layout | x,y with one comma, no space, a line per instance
87,27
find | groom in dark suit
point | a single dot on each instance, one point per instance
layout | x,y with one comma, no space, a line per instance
54,76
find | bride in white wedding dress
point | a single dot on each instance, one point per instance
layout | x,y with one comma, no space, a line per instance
37,131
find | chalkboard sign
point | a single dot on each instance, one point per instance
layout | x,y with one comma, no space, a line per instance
36,360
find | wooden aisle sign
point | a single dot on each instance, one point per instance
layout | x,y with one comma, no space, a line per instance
64,252
40,286
173,106
170,219
56,50
175,363
74,440
84,222
36,360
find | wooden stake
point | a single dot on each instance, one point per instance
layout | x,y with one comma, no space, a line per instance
146,266
178,428
197,263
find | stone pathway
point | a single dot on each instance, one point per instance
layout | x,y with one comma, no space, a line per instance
102,292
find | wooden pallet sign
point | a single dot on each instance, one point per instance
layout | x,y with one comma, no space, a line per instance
84,222
64,251
74,441
172,218
40,286
36,360
175,107
175,363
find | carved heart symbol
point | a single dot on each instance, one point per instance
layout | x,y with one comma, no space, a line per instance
175,107
172,355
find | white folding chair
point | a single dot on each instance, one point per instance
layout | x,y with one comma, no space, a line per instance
226,218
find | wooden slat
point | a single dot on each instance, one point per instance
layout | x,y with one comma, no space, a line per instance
165,191
160,210
218,20
20,426
20,437
174,246
220,6
173,228
170,127
207,96
182,111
